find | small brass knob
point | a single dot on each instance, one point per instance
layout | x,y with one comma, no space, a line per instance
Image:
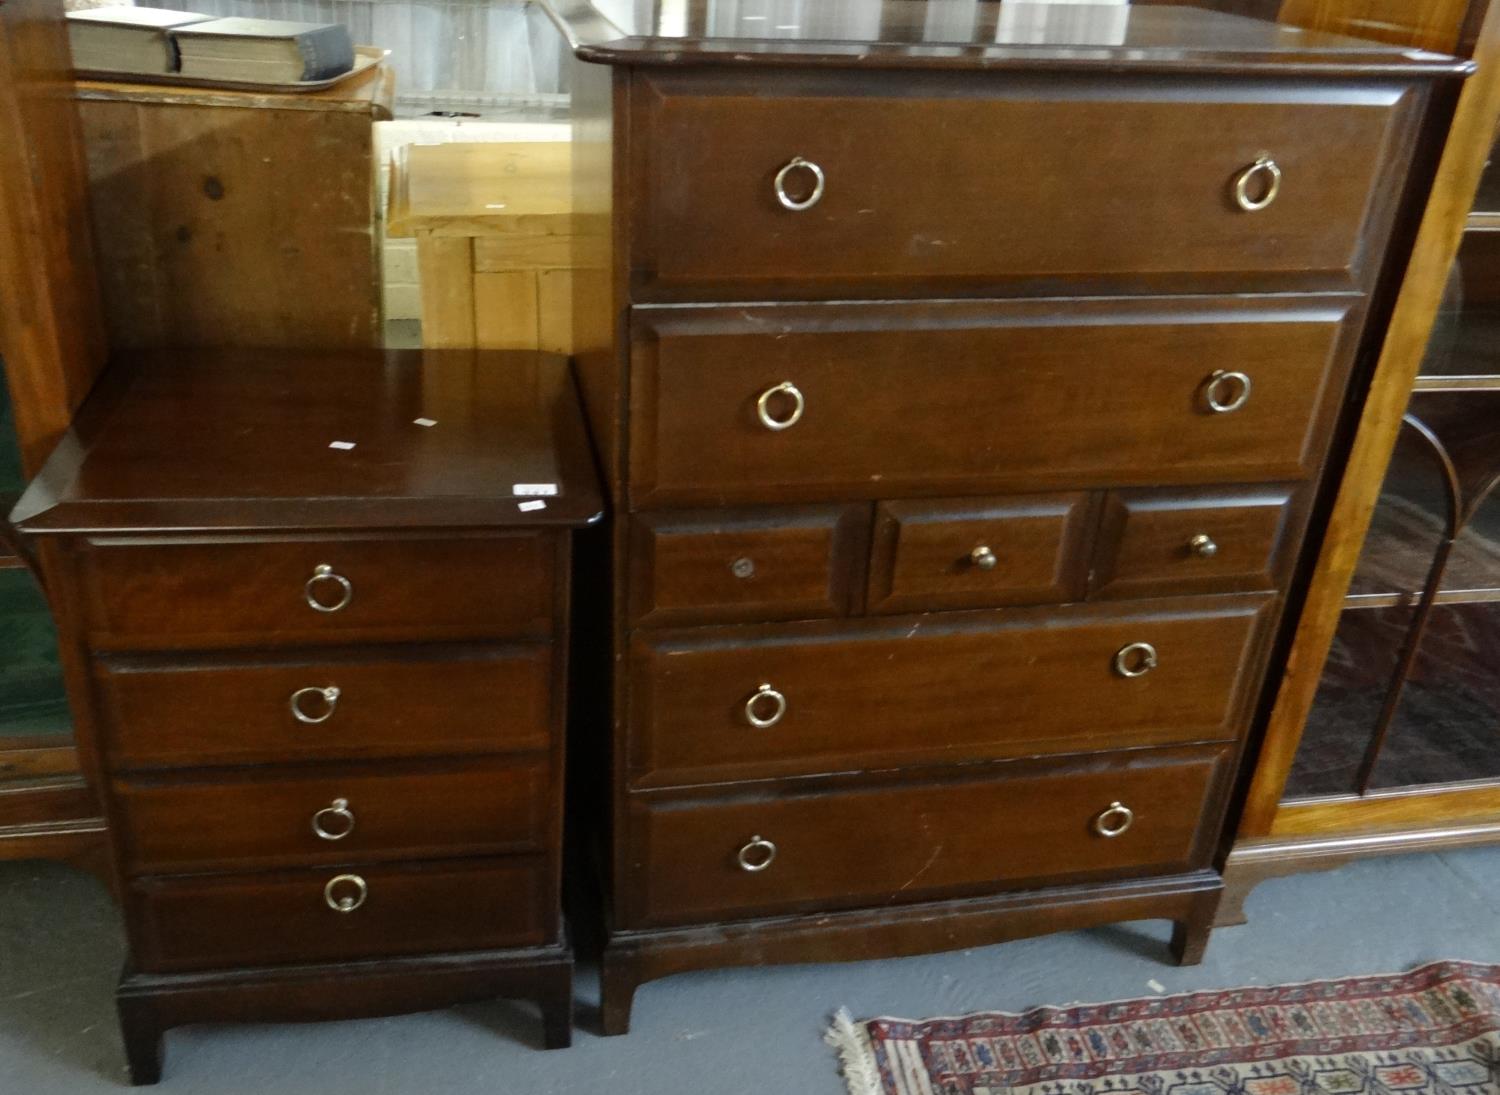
1203,546
983,558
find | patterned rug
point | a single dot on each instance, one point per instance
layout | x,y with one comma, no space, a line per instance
1434,1031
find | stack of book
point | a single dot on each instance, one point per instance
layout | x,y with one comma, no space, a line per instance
156,41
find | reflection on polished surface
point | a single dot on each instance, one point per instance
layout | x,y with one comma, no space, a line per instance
924,27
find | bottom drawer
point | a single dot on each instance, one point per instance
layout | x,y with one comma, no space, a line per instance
709,859
395,909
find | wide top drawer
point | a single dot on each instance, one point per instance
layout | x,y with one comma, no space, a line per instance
804,403
808,185
169,593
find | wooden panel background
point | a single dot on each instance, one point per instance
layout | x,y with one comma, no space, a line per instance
1431,24
236,219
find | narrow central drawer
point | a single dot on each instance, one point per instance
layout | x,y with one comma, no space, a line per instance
155,594
721,858
727,704
939,182
894,400
300,916
197,824
976,552
382,702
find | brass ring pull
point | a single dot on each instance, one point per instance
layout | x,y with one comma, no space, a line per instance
820,181
1203,546
1135,660
778,710
337,809
757,855
983,558
329,696
763,406
1226,392
348,903
321,574
1115,821
1264,166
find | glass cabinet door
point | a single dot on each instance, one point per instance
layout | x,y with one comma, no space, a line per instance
33,704
1410,696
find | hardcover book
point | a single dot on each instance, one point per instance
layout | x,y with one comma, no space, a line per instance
264,50
126,39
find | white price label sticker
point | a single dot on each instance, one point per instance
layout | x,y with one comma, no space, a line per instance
532,506
534,490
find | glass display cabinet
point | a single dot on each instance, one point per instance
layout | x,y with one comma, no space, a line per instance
45,806
51,348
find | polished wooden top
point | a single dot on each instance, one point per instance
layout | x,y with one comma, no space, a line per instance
491,188
183,440
964,34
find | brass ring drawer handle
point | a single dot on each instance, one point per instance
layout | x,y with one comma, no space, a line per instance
1203,546
820,183
348,902
1271,171
757,855
323,573
339,814
765,693
1115,821
1135,660
329,696
1226,392
763,406
984,558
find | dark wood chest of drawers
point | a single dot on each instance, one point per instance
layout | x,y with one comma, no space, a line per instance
965,393
314,614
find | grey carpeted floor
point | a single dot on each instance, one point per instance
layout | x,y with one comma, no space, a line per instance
740,1032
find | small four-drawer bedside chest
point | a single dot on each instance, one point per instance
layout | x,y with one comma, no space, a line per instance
314,613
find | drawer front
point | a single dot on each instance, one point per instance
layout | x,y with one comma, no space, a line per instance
741,703
248,920
415,701
170,594
977,553
955,183
1153,542
167,826
910,842
898,400
721,566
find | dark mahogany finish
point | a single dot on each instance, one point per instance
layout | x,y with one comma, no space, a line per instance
1188,541
324,687
1129,380
1073,285
937,689
903,842
780,563
972,553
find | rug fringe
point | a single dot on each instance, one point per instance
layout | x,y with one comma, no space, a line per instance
856,1055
